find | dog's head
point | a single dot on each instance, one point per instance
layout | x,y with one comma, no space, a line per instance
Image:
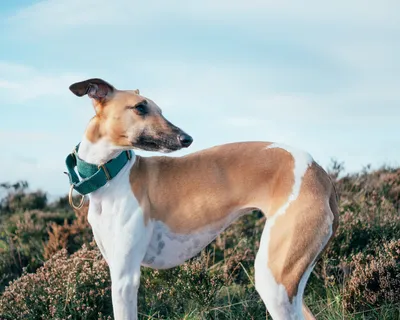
129,120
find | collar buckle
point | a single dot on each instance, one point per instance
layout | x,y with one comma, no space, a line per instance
108,176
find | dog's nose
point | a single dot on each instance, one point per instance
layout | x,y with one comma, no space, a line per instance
185,140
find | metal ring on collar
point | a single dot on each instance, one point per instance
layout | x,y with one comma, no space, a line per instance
71,202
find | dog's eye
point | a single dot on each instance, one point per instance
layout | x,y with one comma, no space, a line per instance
140,109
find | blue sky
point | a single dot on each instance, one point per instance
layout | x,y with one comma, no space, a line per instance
318,76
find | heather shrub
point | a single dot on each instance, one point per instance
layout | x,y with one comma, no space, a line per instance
361,265
28,239
356,278
22,238
68,236
78,287
75,287
374,280
235,249
368,216
365,222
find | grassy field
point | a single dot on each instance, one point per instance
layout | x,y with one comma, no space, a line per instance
51,269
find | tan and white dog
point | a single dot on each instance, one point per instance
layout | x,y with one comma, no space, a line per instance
161,211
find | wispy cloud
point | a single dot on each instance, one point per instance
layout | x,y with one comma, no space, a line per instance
51,15
20,83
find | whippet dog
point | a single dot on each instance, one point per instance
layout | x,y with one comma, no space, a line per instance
159,212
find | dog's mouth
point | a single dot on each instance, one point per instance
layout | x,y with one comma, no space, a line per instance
159,144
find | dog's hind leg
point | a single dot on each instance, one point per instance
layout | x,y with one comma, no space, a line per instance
291,242
283,264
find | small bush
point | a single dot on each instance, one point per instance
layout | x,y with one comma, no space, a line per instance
28,239
69,236
369,218
374,280
22,239
75,287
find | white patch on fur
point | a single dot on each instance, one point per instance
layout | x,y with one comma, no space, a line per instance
97,153
119,229
272,293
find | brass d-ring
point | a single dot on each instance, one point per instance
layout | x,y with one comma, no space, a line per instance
71,202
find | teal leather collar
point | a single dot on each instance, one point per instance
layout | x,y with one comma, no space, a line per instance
93,176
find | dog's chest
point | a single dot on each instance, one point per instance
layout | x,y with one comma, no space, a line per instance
118,223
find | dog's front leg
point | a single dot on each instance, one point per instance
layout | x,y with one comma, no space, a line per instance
124,288
129,248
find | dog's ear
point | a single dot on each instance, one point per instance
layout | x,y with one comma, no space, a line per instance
97,89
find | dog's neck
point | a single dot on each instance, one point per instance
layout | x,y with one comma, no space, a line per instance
95,147
98,152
